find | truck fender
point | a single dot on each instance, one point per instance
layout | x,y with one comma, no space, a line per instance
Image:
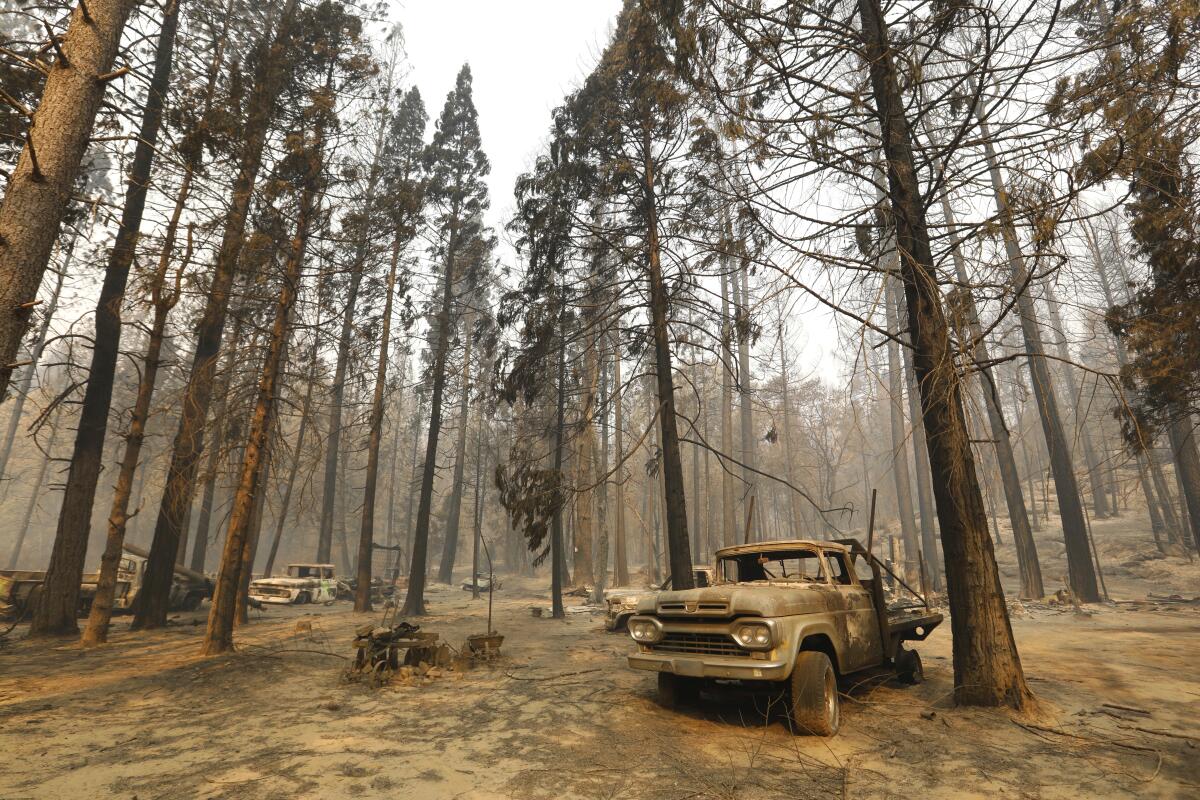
822,637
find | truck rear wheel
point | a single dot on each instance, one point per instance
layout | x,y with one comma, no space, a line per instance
813,695
675,690
908,667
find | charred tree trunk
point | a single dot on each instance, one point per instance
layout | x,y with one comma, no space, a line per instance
237,558
478,508
1187,470
189,439
57,609
1028,565
585,465
600,569
413,485
40,188
1081,572
900,471
987,669
338,389
101,611
454,512
366,539
621,551
1100,505
414,601
250,546
920,460
298,450
557,567
675,504
728,499
741,304
797,517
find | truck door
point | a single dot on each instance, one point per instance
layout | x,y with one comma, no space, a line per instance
864,647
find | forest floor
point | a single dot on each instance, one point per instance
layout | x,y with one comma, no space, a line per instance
560,715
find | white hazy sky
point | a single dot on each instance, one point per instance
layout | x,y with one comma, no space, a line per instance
525,55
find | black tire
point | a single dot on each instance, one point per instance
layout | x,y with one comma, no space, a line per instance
908,667
813,695
303,599
675,691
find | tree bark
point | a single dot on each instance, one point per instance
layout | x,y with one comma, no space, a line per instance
40,188
987,669
797,517
56,610
189,439
585,464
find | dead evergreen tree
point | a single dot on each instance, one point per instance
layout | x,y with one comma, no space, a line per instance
404,182
457,166
39,188
271,67
57,607
327,35
631,109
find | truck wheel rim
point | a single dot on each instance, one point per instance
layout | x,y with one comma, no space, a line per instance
831,699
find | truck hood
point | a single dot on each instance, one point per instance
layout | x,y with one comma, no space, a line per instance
745,599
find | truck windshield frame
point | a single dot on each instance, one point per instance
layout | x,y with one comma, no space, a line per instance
801,566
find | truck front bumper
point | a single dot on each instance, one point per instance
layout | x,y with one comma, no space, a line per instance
741,668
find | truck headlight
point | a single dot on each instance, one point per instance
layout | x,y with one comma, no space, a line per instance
753,635
644,630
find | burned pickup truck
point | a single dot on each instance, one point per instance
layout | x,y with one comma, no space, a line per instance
787,615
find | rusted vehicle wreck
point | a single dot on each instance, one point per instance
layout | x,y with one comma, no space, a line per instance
793,615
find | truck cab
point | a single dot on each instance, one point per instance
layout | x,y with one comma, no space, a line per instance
793,615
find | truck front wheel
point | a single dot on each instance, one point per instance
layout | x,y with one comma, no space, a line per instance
675,690
813,695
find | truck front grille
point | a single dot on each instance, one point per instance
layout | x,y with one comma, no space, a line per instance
271,591
708,644
707,609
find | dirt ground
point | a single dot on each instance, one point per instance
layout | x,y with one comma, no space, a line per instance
561,716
